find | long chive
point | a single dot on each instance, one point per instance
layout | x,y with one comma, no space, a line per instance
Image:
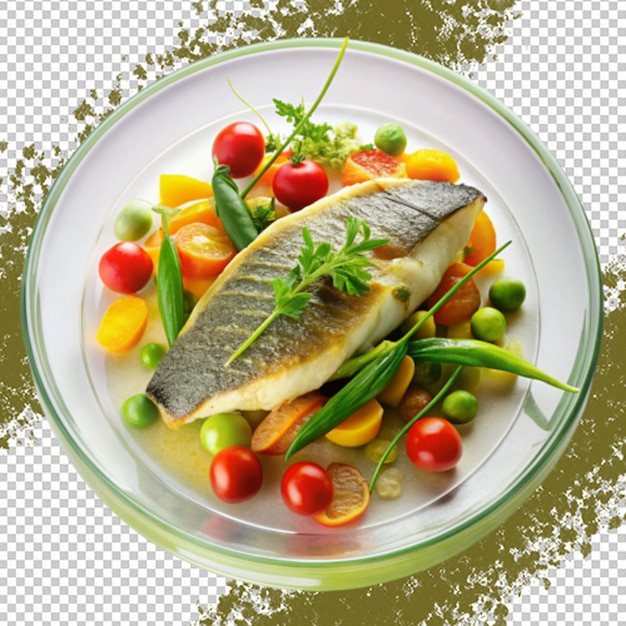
303,121
474,352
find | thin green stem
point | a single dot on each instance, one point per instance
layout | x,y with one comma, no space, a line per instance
254,336
253,109
442,392
303,121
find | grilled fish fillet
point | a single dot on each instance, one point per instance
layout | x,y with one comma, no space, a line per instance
427,224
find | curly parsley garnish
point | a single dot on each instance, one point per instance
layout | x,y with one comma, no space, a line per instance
323,143
345,267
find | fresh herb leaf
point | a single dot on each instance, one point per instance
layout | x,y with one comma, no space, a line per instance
321,142
263,213
345,268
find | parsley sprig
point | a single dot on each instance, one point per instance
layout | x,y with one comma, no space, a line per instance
345,267
320,142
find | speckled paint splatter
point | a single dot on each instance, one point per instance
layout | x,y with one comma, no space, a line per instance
584,494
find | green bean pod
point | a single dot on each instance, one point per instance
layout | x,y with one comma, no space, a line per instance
478,353
170,287
232,210
367,384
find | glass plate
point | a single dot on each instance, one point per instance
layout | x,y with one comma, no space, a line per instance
168,128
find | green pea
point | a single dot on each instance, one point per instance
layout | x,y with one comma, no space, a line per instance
488,324
151,354
390,138
133,221
507,294
139,411
460,407
223,430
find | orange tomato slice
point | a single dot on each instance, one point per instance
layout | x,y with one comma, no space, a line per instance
204,250
203,212
364,165
123,324
431,164
279,428
463,304
268,176
351,496
482,240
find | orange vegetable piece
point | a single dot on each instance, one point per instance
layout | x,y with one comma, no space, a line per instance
350,498
204,251
177,189
268,176
200,212
152,246
197,286
463,304
203,212
395,390
482,240
123,324
279,428
360,428
364,165
431,164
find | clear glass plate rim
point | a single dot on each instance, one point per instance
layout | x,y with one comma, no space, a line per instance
584,366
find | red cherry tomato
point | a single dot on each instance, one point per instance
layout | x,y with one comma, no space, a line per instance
297,185
306,488
125,267
241,146
434,444
235,474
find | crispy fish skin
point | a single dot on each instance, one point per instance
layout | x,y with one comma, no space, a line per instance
426,223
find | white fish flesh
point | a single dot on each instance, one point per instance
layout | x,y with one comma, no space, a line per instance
426,223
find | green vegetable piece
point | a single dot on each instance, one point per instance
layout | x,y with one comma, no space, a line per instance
223,430
390,138
231,209
367,384
460,406
488,324
152,353
134,221
139,411
189,301
478,353
169,285
426,373
375,449
507,294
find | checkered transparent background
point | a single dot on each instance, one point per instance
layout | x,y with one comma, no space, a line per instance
64,555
